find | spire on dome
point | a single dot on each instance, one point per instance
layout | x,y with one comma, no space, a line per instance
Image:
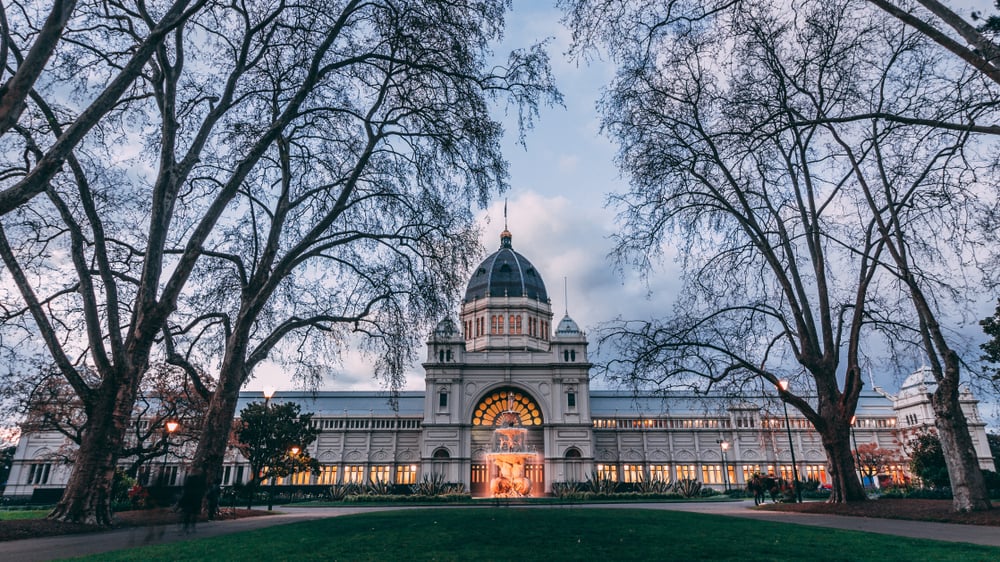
505,237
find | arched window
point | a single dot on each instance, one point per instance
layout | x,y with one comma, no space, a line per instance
497,407
441,453
573,453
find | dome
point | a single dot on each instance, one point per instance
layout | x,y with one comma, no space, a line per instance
920,382
567,327
506,273
446,328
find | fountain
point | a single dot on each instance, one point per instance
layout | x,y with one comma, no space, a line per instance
509,453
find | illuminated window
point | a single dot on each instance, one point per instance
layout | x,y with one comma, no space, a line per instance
659,472
354,474
786,472
749,470
497,407
514,325
631,473
380,473
406,474
816,472
608,471
711,473
687,472
301,478
327,475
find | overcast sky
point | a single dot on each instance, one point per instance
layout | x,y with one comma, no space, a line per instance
556,206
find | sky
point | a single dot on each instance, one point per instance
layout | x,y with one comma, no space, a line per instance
559,184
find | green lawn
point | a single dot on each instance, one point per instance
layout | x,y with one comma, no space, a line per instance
11,515
480,534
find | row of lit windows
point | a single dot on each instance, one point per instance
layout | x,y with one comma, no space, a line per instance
511,325
328,475
367,423
714,423
705,472
660,423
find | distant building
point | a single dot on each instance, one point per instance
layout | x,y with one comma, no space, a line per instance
507,409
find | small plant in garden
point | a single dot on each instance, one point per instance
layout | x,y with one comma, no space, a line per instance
138,496
601,484
688,487
340,492
379,488
431,485
564,490
652,486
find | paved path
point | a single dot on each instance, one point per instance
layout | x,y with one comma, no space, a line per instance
51,548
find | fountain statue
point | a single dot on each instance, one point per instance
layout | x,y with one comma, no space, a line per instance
509,454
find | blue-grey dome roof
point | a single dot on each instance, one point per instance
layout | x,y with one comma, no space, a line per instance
506,273
567,327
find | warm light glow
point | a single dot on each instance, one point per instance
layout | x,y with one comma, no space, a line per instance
854,419
724,445
172,426
783,385
294,450
268,392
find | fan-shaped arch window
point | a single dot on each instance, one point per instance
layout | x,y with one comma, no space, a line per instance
573,453
441,453
507,406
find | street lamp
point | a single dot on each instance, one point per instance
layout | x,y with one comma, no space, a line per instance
292,452
171,426
724,445
857,455
783,385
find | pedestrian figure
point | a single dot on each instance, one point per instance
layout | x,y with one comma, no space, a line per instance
213,500
190,504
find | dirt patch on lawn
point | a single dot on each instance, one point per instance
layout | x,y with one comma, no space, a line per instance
918,510
33,528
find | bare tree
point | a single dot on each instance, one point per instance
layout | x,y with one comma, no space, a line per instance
166,394
972,45
359,220
741,131
121,64
102,261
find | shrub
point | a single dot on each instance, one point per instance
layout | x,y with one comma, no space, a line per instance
601,485
687,487
566,490
379,488
431,485
341,492
653,486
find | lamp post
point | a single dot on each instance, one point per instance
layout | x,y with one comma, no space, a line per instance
171,426
268,393
857,456
724,445
292,452
783,385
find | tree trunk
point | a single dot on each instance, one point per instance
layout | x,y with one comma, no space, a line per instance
215,432
87,498
968,488
837,444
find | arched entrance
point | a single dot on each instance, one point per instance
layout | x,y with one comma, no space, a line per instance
508,445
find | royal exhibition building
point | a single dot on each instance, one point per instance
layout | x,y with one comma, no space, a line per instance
507,408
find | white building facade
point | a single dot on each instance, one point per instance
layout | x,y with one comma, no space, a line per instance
505,363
